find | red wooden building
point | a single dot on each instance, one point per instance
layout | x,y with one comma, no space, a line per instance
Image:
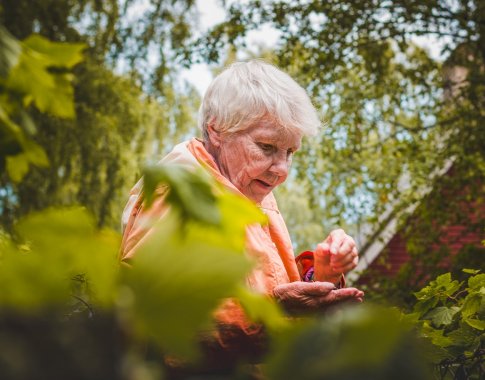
384,250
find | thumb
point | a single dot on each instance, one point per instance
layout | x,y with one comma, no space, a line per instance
321,260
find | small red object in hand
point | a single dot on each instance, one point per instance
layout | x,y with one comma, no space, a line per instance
304,262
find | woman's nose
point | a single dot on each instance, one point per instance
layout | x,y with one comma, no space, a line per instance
280,164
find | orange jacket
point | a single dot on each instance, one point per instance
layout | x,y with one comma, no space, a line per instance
270,245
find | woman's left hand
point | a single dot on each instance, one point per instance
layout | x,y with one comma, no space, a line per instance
303,297
335,256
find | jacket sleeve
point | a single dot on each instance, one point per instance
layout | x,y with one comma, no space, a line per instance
139,220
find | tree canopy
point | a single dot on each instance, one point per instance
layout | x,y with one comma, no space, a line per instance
96,157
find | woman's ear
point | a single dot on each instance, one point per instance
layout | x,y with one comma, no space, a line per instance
213,135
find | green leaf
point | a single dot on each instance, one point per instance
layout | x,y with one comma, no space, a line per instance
50,91
17,166
464,336
9,52
471,271
436,336
442,315
434,353
477,281
56,54
191,192
178,280
410,319
437,290
472,304
59,244
237,213
35,153
188,265
423,306
444,279
262,308
476,323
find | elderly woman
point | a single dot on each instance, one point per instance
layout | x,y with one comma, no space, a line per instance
253,118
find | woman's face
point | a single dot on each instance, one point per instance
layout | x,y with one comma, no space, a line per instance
257,159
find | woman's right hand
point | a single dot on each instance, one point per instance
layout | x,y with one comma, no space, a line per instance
304,297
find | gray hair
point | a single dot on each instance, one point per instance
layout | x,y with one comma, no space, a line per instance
247,92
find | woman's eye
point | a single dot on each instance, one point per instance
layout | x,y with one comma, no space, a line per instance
268,148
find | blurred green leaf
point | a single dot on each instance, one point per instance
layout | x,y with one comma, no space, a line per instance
477,281
58,245
190,191
32,77
471,271
237,213
411,318
476,323
38,76
354,343
49,92
185,269
9,52
17,166
434,353
55,54
262,308
177,281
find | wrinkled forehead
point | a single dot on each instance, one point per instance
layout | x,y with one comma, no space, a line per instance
269,132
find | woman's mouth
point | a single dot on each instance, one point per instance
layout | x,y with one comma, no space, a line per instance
264,184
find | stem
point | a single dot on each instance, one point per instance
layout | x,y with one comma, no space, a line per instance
91,311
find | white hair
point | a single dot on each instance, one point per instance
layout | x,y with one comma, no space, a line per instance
247,92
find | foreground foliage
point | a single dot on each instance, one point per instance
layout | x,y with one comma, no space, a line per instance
452,315
60,273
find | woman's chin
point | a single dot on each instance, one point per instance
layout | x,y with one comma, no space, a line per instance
257,191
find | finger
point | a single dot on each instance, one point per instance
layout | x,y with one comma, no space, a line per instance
338,261
321,261
319,288
299,288
347,246
347,267
335,245
323,249
340,295
341,260
337,232
338,238
333,238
